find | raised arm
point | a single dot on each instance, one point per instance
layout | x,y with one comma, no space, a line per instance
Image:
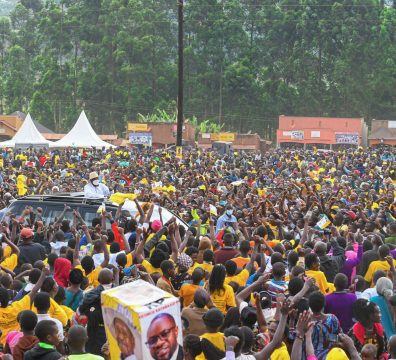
241,296
278,336
149,214
106,255
79,217
309,283
262,323
76,252
15,224
62,215
44,273
212,232
303,327
250,264
141,212
87,233
140,246
14,248
175,252
127,248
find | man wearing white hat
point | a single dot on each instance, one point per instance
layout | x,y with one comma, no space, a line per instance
95,189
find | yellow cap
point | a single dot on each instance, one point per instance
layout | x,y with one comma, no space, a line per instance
336,354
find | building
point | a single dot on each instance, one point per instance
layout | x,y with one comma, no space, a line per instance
383,132
321,131
10,124
158,135
247,142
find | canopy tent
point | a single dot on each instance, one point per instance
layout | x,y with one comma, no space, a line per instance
26,135
81,136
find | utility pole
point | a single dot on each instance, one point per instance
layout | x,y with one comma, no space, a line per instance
180,119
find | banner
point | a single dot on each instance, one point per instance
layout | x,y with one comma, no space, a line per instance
347,138
137,127
141,138
297,135
229,137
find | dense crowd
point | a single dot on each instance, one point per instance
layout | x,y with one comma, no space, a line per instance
287,254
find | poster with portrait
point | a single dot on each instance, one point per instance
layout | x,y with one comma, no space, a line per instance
142,322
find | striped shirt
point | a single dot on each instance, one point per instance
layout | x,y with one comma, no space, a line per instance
275,288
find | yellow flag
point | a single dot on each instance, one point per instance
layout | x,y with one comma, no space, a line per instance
119,198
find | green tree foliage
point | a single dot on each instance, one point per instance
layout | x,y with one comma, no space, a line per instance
246,61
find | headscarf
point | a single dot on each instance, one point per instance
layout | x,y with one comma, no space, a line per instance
384,287
62,269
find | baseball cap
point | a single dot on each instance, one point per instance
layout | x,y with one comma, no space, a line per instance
351,214
26,233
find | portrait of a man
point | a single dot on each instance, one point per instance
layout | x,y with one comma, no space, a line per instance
124,333
162,338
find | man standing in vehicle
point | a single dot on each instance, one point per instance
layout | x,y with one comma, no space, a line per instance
94,189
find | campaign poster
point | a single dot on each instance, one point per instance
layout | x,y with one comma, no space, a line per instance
142,322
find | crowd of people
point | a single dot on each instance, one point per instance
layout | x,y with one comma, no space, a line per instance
287,254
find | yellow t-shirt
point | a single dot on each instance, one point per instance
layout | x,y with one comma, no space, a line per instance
374,266
223,298
7,251
10,262
150,268
320,278
217,339
55,311
280,353
240,278
187,292
204,266
129,260
8,316
92,277
69,312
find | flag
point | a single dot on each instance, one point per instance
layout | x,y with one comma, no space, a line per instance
119,198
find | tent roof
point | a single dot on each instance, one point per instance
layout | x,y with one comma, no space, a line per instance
27,134
82,136
40,127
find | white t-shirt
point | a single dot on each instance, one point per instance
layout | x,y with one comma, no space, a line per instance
56,246
99,258
41,317
369,293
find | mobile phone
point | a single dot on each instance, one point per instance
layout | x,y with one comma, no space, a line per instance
333,338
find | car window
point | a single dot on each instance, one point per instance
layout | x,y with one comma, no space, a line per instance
17,208
53,212
90,213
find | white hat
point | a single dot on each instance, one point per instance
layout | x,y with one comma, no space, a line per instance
93,175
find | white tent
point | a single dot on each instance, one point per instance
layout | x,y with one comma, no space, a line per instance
26,135
81,136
